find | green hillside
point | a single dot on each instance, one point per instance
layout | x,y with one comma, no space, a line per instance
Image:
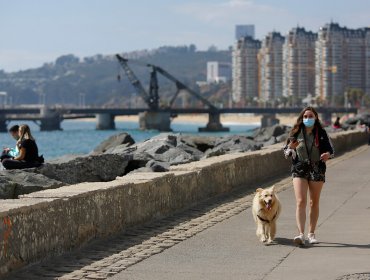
64,81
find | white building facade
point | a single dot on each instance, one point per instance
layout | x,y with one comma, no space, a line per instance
299,65
245,70
270,60
342,62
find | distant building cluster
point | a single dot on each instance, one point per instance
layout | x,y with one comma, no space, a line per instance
303,64
221,72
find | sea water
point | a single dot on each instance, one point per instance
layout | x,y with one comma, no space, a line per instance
81,137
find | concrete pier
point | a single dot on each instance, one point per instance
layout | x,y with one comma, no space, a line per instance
214,124
326,118
105,122
50,120
269,120
155,120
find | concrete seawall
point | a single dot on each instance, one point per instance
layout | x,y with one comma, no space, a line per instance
50,222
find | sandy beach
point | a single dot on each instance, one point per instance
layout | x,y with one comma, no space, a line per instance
285,119
226,118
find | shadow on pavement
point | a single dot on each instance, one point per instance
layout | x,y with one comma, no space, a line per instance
342,245
289,242
284,241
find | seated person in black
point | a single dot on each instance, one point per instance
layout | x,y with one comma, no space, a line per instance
28,152
11,152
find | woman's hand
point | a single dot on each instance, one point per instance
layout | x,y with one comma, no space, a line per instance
325,156
293,144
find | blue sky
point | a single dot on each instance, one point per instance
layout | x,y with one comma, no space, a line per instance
38,31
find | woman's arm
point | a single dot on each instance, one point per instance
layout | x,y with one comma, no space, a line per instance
328,149
22,154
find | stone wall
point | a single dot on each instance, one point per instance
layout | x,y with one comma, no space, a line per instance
53,221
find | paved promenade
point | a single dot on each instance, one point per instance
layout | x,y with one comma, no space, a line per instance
216,239
229,250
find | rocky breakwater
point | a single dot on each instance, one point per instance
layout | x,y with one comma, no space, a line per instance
120,155
359,119
164,150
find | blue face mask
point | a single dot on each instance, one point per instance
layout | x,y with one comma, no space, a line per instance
309,122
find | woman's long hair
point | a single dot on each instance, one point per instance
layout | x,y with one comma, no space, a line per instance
299,122
24,133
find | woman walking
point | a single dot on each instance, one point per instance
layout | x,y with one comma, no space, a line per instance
28,151
310,148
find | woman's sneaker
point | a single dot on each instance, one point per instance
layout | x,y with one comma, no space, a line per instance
299,240
312,239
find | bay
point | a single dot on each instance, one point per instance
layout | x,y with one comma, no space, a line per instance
81,137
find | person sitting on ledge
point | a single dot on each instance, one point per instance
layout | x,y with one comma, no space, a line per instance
28,151
11,152
337,124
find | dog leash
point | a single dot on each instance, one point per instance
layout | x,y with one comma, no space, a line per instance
267,221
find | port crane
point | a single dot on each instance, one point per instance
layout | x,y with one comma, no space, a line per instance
152,98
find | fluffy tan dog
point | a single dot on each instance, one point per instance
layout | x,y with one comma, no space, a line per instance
266,209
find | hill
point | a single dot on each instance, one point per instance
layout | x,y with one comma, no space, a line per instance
66,80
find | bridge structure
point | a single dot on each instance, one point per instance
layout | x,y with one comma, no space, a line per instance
49,118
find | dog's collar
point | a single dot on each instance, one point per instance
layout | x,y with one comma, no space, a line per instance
267,221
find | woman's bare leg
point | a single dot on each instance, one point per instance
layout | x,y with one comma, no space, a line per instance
300,190
315,191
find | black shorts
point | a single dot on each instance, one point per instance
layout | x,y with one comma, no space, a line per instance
313,172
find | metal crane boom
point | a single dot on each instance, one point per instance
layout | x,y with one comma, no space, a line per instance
152,99
180,86
152,103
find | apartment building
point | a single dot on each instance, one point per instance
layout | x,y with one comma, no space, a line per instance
270,60
218,72
245,70
342,62
299,64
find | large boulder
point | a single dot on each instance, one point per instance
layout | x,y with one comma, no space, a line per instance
17,182
272,141
194,152
122,139
90,168
266,133
164,148
201,143
232,144
282,138
156,166
153,166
